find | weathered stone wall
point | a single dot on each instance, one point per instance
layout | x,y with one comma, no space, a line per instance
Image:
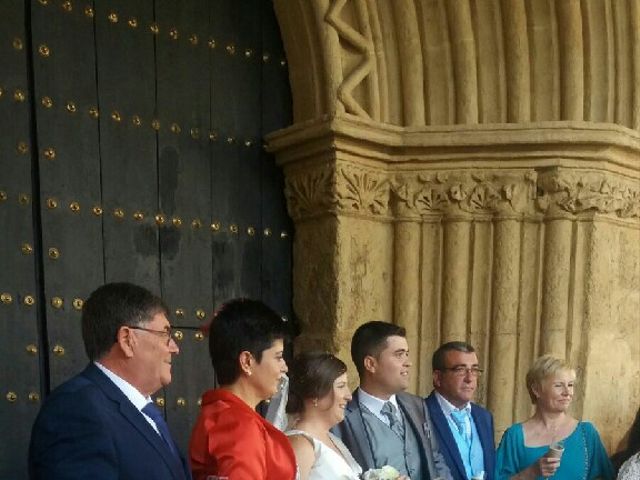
471,170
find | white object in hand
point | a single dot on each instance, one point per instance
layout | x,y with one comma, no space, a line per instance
385,473
556,450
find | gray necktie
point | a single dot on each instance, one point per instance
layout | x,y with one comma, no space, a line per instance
390,411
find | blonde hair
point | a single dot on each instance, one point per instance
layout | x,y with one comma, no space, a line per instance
544,367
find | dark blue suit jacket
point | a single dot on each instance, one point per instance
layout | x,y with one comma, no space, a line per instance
484,424
88,429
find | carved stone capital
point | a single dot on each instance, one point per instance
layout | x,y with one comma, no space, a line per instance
337,189
362,191
463,192
346,165
576,192
349,189
310,192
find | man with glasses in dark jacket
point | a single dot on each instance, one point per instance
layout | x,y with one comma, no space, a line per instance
101,424
464,429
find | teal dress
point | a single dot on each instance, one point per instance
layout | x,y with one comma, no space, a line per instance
584,456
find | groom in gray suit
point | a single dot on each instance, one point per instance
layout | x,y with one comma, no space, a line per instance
383,425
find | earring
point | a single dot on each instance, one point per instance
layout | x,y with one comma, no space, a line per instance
315,402
249,373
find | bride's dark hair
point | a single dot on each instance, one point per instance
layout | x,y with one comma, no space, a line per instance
311,375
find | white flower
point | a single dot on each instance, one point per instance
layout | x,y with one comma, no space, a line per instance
385,473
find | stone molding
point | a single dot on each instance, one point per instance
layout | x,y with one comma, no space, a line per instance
320,139
527,172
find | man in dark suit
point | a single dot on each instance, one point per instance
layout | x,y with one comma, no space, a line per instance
383,425
101,424
464,429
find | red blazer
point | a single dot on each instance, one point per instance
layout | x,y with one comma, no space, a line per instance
231,439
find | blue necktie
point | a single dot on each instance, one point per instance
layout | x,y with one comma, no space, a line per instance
460,417
155,415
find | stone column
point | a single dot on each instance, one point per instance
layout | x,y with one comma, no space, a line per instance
555,285
504,320
455,284
430,287
406,286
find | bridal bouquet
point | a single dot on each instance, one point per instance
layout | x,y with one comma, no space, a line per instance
385,473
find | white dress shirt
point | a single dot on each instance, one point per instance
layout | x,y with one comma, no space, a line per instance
132,393
375,404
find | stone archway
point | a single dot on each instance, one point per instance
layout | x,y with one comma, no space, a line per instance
470,170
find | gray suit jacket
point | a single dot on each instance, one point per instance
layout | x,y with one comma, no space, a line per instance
352,432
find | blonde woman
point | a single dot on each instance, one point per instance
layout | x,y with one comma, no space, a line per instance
524,452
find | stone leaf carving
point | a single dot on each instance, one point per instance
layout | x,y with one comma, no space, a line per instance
370,192
468,192
310,193
584,191
430,199
362,191
314,192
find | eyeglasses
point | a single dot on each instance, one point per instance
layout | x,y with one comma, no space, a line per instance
164,333
461,371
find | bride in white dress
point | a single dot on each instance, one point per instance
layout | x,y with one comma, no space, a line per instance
318,394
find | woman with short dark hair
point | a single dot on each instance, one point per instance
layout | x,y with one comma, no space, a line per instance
318,394
229,438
